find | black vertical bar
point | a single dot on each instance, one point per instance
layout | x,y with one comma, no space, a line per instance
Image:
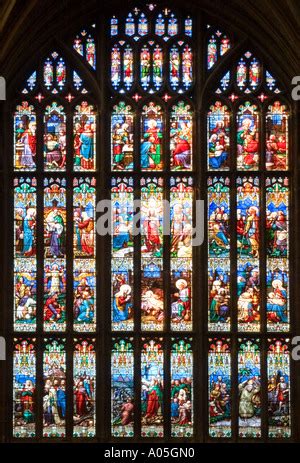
103,242
233,277
69,274
40,272
137,307
69,299
200,252
167,388
166,280
262,278
3,189
294,262
264,389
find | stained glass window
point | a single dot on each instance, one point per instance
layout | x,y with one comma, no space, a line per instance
149,314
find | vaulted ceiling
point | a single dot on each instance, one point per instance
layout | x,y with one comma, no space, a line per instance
26,25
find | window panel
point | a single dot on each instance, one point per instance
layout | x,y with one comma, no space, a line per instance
181,216
84,45
181,137
130,25
151,67
55,73
54,396
122,137
219,294
219,387
180,67
152,377
249,379
84,244
277,229
152,138
122,388
25,264
114,26
172,25
84,290
55,222
24,388
30,83
248,246
188,26
277,136
122,62
181,388
84,132
122,284
152,284
84,202
48,73
224,83
142,25
55,142
219,306
84,365
25,137
218,137
54,294
248,73
160,25
218,44
279,414
247,137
